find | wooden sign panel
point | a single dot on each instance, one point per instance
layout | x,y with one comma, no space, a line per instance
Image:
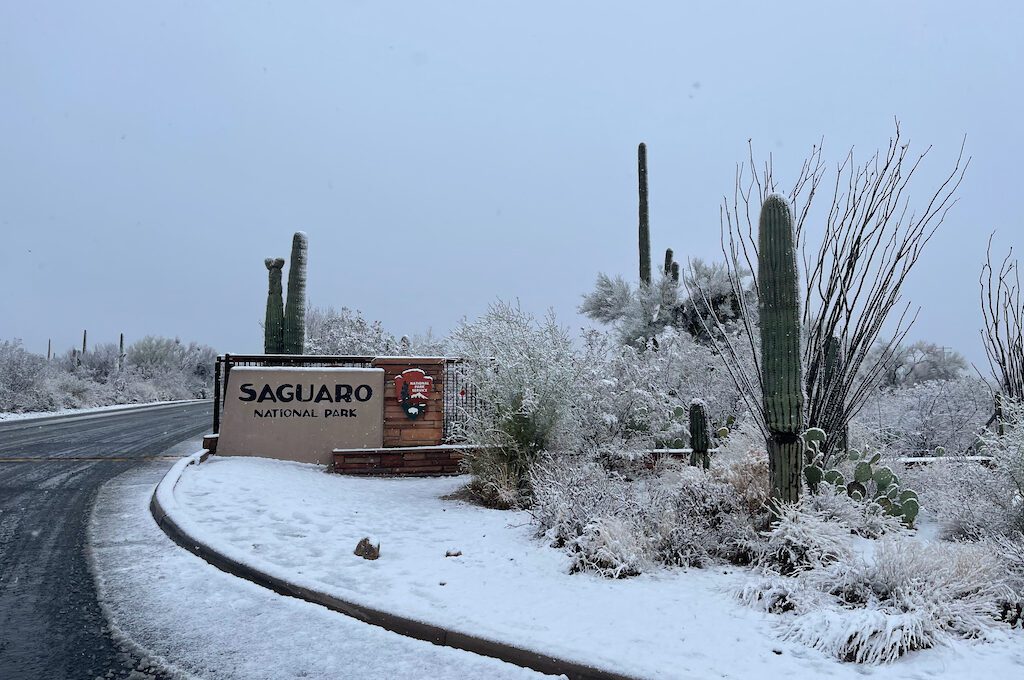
301,414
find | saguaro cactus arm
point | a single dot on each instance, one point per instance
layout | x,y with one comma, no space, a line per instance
295,307
273,327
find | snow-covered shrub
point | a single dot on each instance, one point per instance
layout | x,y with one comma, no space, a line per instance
21,376
610,546
800,539
777,594
696,518
1009,550
908,595
967,499
524,371
347,332
926,593
918,419
972,500
742,463
616,410
155,369
870,636
687,369
637,314
617,526
861,517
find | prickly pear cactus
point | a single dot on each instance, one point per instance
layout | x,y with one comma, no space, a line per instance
882,486
295,308
814,442
871,482
273,327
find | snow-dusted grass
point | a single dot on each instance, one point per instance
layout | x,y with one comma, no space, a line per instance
295,522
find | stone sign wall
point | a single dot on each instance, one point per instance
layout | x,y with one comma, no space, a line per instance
301,414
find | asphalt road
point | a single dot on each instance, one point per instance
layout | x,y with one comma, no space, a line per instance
51,626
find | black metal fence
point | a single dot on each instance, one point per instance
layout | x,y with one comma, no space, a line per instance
459,397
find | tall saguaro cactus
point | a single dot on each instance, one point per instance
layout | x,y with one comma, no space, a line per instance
645,224
273,326
779,307
295,307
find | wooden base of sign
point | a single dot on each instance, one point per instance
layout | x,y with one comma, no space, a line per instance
406,461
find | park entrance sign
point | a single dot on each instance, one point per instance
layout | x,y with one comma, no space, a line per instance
301,414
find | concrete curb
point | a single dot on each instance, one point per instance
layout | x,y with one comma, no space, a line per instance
392,622
21,423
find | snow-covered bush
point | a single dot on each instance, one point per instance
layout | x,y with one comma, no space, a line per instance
801,539
1009,550
21,374
742,462
155,369
908,595
918,419
972,500
619,526
864,518
967,499
524,371
698,518
924,593
642,313
346,332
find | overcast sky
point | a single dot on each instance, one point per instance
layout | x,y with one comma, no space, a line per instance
442,155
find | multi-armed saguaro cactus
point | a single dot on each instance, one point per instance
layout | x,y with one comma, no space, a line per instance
295,308
700,437
779,308
645,224
273,327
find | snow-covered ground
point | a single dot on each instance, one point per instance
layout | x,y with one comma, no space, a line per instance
294,521
179,612
4,416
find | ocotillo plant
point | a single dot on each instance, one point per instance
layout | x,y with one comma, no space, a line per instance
779,307
295,307
700,439
273,326
645,225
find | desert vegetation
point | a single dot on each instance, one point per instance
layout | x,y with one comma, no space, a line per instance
150,369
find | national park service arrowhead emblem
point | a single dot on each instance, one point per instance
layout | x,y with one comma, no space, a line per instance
412,389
